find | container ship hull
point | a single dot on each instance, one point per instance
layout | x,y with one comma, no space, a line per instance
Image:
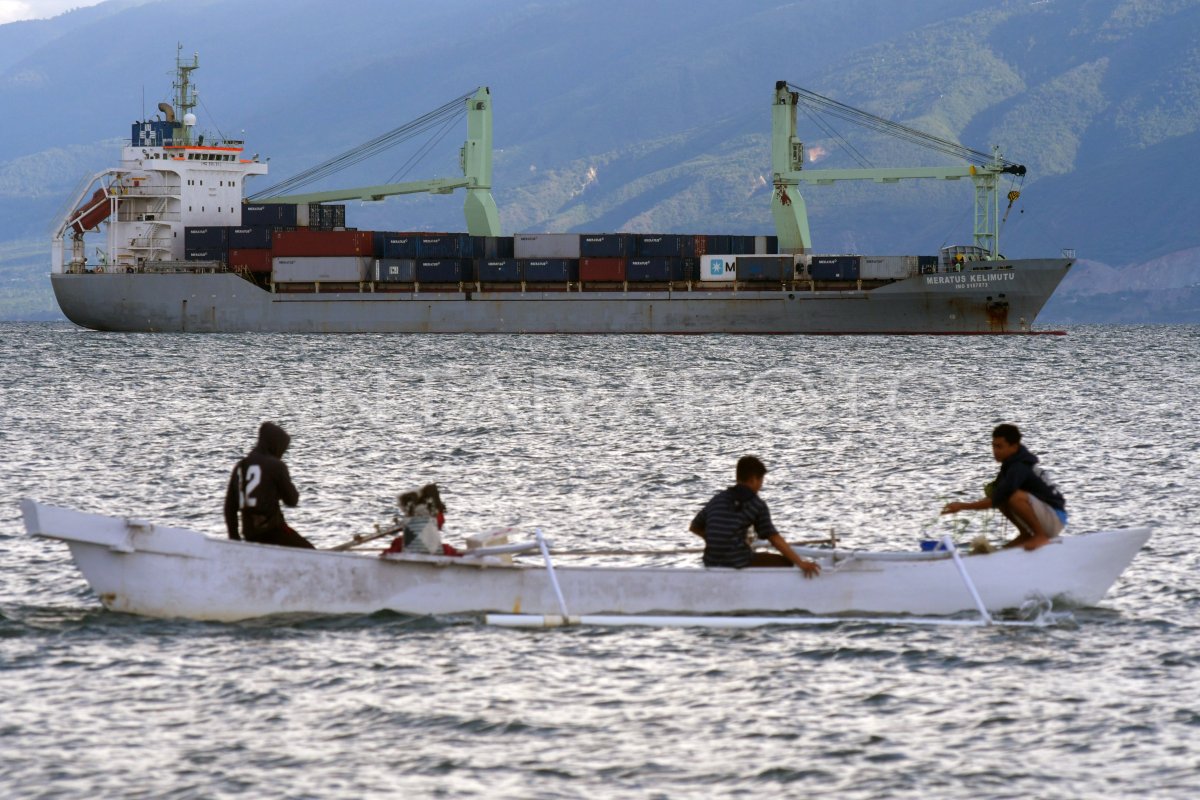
998,300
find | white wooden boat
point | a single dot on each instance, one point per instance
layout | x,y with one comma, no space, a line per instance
143,568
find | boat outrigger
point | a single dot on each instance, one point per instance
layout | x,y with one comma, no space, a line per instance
138,567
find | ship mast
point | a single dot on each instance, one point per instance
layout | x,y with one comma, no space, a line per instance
185,96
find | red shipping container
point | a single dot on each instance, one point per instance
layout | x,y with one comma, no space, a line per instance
601,269
308,242
257,260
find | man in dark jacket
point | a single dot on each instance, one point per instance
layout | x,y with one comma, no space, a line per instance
258,483
1022,492
725,522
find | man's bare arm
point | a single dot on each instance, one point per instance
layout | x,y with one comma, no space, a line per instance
811,569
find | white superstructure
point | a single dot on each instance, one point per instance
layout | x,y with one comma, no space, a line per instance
169,177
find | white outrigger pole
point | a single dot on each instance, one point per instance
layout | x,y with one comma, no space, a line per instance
685,621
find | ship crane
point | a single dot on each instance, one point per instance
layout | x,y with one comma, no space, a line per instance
475,161
787,165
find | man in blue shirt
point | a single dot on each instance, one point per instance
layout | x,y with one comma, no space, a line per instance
1022,492
725,522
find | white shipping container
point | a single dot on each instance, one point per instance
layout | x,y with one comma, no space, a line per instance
302,215
718,268
887,268
546,245
760,246
320,268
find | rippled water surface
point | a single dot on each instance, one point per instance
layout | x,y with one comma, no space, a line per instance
613,442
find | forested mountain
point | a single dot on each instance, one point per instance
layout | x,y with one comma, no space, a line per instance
624,115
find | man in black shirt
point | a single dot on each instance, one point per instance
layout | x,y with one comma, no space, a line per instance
725,521
1022,492
258,483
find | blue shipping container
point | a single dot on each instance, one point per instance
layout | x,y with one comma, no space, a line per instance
443,270
834,268
550,270
446,245
492,247
498,270
718,245
395,270
204,254
657,245
764,268
396,245
208,236
269,215
249,238
650,270
605,245
688,269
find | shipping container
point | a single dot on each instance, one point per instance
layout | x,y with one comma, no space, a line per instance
834,268
258,260
498,270
306,242
741,245
269,215
249,238
717,244
649,270
396,270
601,269
877,268
605,245
390,244
688,269
766,245
444,245
549,270
656,245
774,269
203,254
718,268
492,247
443,270
338,269
542,246
208,237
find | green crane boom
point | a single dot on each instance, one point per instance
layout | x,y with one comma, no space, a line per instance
787,165
475,160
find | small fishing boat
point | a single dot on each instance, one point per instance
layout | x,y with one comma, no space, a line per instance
139,567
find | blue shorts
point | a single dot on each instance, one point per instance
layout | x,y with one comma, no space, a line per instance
1061,513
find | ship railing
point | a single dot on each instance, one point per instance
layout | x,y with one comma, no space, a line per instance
184,266
147,242
149,216
146,191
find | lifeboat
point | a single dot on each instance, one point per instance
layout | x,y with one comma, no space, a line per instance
92,213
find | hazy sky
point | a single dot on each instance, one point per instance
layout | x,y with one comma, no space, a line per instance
13,10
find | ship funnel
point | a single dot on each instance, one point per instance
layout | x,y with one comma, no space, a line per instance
168,110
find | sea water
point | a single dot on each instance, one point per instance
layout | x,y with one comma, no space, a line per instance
605,443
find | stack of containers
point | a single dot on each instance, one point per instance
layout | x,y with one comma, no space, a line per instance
396,254
765,269
602,256
657,259
314,256
205,243
250,242
444,258
547,257
495,260
888,268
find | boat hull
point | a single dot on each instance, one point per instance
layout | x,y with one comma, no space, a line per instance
993,301
167,572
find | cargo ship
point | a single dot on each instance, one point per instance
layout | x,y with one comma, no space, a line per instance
186,249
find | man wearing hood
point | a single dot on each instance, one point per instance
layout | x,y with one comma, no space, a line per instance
1022,492
258,483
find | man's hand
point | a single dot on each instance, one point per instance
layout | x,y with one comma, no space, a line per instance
811,569
952,508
